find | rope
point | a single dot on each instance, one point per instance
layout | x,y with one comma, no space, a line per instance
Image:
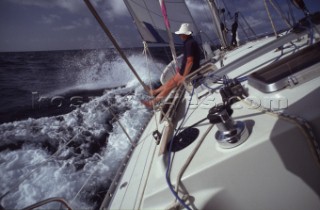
278,10
146,52
272,24
122,127
169,159
248,25
84,184
188,161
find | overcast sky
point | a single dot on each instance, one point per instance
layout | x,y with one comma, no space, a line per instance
32,25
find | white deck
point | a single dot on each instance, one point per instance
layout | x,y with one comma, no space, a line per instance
274,169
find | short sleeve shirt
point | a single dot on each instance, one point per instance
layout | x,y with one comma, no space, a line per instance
190,49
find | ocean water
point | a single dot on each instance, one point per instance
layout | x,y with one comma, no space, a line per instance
59,123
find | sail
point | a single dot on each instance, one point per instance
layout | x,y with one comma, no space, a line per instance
149,20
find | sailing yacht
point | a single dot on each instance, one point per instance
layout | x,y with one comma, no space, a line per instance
241,133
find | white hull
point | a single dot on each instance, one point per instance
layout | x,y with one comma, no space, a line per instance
277,167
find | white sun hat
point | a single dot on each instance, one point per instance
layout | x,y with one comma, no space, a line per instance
185,28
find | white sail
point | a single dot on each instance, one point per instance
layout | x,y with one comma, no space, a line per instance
149,19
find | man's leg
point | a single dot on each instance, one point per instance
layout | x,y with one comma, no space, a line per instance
162,87
163,91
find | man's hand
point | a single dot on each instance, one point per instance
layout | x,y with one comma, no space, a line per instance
179,78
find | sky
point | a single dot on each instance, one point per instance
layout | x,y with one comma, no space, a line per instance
41,25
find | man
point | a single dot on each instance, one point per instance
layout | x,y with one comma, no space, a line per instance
190,62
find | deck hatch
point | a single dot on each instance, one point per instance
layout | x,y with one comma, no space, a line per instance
275,76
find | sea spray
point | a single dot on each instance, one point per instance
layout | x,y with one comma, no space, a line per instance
75,155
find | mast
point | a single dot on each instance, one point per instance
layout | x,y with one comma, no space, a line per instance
216,22
114,42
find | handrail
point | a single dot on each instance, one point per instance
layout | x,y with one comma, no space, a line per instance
49,200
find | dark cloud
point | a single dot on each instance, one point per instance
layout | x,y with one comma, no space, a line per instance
72,6
68,24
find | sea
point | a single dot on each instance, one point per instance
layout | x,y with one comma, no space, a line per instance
61,118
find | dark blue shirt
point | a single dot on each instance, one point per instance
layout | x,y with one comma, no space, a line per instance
190,49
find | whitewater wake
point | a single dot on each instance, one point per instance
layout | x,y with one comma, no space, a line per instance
75,155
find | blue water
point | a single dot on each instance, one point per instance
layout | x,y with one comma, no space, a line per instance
58,137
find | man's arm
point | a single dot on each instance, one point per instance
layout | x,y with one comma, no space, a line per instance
188,66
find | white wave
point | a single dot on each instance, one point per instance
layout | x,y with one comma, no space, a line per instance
65,156
98,70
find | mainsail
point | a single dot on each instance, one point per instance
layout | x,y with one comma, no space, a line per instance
149,19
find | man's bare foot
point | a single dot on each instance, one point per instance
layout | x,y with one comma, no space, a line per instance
148,104
150,91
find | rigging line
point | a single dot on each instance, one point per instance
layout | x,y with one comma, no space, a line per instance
149,12
204,12
243,30
271,21
228,11
248,25
85,183
192,19
112,39
280,12
156,13
291,12
148,53
122,127
145,51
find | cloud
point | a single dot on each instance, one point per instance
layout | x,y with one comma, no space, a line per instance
49,19
79,23
111,9
118,7
70,5
65,28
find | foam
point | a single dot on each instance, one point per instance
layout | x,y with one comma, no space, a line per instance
55,156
